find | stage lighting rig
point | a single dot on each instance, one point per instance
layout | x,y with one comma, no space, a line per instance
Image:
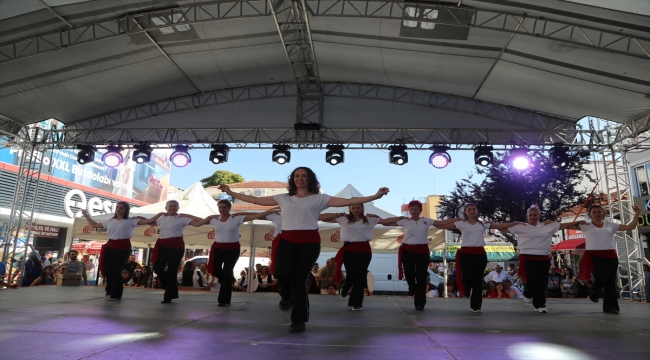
398,155
142,153
558,155
334,154
281,154
483,155
181,156
520,158
113,156
440,158
86,154
219,154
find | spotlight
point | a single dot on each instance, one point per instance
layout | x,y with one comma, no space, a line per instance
398,155
334,155
520,158
439,158
559,156
141,153
86,154
113,156
180,157
483,155
219,154
281,154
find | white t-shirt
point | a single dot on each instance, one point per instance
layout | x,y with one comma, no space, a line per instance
535,240
357,231
416,232
472,235
276,219
172,226
227,231
432,293
195,279
119,229
600,238
301,213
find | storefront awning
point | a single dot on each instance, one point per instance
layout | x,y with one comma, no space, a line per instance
567,245
495,252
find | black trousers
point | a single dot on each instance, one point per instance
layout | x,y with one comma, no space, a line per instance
293,265
472,267
113,261
605,274
224,263
166,267
537,279
415,271
356,266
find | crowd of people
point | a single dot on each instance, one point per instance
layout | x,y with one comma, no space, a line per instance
296,247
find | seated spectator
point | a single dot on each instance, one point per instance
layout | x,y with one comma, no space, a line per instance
569,286
126,278
46,278
499,293
3,272
145,278
553,289
74,265
241,284
496,275
326,275
137,278
131,265
90,266
213,283
491,288
203,268
332,289
451,290
191,277
33,269
265,280
431,291
513,291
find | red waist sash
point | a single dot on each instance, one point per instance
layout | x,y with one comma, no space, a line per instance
172,243
473,250
362,247
417,249
292,236
522,264
220,246
586,264
117,244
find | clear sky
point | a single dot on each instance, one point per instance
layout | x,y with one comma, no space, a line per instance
366,170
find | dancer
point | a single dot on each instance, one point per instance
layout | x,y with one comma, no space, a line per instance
356,233
299,243
225,250
471,258
600,257
116,250
534,245
170,248
413,255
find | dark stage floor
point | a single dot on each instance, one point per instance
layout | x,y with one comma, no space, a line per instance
78,323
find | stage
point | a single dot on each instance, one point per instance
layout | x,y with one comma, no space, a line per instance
79,323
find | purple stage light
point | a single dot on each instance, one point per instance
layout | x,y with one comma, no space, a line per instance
112,157
180,157
440,158
521,163
520,158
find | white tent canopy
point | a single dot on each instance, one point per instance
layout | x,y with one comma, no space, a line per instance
259,233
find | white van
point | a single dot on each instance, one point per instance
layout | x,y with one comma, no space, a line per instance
384,270
241,264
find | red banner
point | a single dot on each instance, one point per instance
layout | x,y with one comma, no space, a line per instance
574,234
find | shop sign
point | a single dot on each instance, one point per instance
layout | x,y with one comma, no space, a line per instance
574,234
644,217
46,231
75,201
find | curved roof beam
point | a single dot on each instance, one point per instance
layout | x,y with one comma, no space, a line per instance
561,31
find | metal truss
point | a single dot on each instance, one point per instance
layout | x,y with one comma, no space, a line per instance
25,191
633,134
520,24
13,129
540,27
133,24
619,192
292,22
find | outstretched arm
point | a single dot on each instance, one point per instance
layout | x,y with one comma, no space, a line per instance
392,221
195,219
633,222
331,218
505,225
572,225
255,216
152,220
92,222
340,202
447,224
264,201
203,221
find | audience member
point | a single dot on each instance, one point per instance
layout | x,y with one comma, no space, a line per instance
553,289
431,291
90,266
46,258
497,275
213,283
499,293
451,290
491,288
513,291
331,289
258,268
191,277
265,280
326,275
126,278
46,278
3,272
203,268
131,265
569,284
313,286
241,284
33,269
76,266
145,277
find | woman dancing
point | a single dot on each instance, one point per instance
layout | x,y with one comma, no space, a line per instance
600,257
413,254
299,242
225,250
356,233
170,248
116,250
471,258
534,245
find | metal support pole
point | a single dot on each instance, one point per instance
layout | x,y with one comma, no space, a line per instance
251,260
444,272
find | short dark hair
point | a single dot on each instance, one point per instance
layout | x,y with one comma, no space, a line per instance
73,251
312,185
332,285
415,203
224,201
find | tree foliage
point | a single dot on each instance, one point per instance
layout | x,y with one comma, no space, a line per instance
221,177
505,194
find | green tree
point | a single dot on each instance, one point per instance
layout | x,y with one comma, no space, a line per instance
221,177
505,194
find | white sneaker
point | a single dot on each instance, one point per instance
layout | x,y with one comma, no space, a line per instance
356,308
541,310
528,300
475,311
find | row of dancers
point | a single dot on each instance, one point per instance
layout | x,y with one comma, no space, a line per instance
296,247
